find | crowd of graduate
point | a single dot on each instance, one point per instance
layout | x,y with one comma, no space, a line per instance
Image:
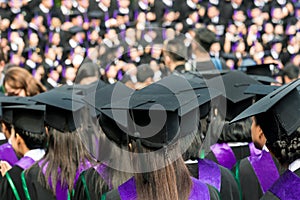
197,133
51,38
150,99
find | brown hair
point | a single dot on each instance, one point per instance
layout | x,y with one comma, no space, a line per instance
19,78
65,152
172,182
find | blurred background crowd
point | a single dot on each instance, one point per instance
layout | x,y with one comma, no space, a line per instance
52,39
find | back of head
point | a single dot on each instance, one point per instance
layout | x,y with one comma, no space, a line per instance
87,70
205,38
176,49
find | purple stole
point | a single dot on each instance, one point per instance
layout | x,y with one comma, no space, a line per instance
8,154
210,173
62,192
101,171
287,186
265,169
25,162
224,154
199,190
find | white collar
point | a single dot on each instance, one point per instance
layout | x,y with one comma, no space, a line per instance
191,162
143,5
124,10
44,9
65,10
103,7
191,4
35,154
82,9
265,148
168,2
294,165
52,82
2,136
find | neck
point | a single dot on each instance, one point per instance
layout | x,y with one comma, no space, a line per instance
173,65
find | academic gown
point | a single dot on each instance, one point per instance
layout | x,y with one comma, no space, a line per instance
217,176
286,187
127,191
13,176
37,190
256,174
91,184
227,156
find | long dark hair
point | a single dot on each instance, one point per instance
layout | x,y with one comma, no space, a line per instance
65,152
172,182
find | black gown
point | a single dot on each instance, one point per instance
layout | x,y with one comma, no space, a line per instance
291,189
229,187
11,184
248,180
90,185
6,191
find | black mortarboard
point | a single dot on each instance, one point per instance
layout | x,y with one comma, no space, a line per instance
28,118
95,15
266,80
235,83
74,13
260,90
283,105
62,109
262,70
76,29
172,105
10,101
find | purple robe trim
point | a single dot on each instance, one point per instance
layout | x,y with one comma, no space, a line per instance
199,190
265,169
127,190
209,172
8,154
253,150
287,186
25,162
101,169
224,155
62,192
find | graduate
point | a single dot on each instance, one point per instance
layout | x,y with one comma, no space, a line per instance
154,121
257,173
28,140
55,176
90,184
277,115
234,142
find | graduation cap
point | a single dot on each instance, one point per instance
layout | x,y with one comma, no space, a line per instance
74,13
27,118
260,90
10,101
95,15
62,109
205,37
261,70
157,115
281,105
235,83
76,29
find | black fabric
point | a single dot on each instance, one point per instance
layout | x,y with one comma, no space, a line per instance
229,187
6,191
3,141
249,183
35,188
93,182
114,194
